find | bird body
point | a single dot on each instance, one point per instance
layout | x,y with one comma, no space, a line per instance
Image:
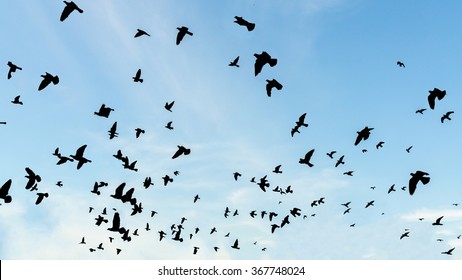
446,116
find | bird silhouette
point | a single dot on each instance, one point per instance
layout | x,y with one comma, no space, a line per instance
392,188
119,155
182,31
33,179
295,212
236,245
168,106
406,234
113,131
415,178
363,135
263,183
147,182
162,234
400,64
116,224
370,203
83,241
446,116
285,221
79,156
261,60
167,180
70,7
100,219
12,69
139,131
4,192
137,208
298,124
104,111
379,145
227,211
409,149
169,125
307,158
270,84
140,32
435,93
239,20
331,154
438,221
59,184
346,211
274,227
347,204
40,197
196,198
449,252
234,62
137,78
47,79
236,175
339,161
420,111
181,151
348,173
128,165
17,101
196,249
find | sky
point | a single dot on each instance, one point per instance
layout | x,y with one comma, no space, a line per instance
337,62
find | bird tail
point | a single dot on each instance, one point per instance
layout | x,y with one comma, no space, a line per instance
425,180
272,62
250,26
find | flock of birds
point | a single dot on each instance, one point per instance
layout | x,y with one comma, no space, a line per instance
179,231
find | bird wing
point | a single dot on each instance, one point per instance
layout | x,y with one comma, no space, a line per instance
66,12
138,74
45,82
180,36
5,189
358,138
301,119
431,100
258,66
178,153
30,172
309,155
438,221
80,151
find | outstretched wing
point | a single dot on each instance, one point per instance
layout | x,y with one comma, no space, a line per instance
80,151
5,189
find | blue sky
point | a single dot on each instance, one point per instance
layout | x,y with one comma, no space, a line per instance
337,63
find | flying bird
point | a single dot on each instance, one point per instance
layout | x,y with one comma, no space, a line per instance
104,111
307,158
270,84
79,156
168,106
435,93
415,178
349,173
363,135
33,179
70,7
139,131
169,125
406,234
261,60
379,145
234,62
181,151
370,203
331,154
400,64
137,77
236,245
40,197
182,31
113,131
4,192
298,124
449,252
17,101
339,161
277,169
140,32
196,198
420,111
239,20
446,116
47,79
167,179
12,69
438,221
409,149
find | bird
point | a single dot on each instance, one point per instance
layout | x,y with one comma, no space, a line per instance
196,198
119,155
195,250
406,234
33,179
168,106
130,166
272,215
139,131
420,111
216,248
295,212
363,135
277,169
79,156
370,203
70,7
435,93
400,64
140,32
40,197
234,62
162,234
239,20
147,182
104,111
147,227
415,178
379,145
270,84
285,221
113,131
137,77
17,101
227,211
349,173
409,149
438,221
167,179
12,69
331,154
181,151
169,125
307,158
116,224
261,60
118,251
346,211
340,161
100,246
449,252
298,124
236,245
83,241
47,79
59,184
446,116
274,227
137,208
213,230
182,31
347,204
4,192
236,175
392,188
